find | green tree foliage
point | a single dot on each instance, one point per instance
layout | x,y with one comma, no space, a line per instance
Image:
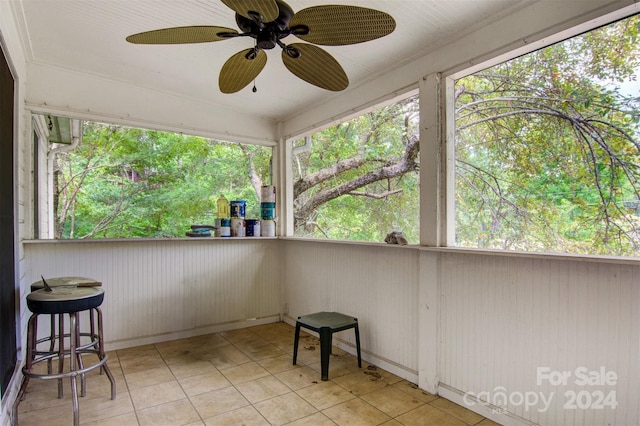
548,151
547,159
359,180
126,183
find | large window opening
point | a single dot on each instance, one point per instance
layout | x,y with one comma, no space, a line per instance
359,180
123,182
548,148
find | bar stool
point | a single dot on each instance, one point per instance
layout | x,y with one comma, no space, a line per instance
61,300
52,338
325,324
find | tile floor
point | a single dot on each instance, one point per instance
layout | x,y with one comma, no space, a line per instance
242,377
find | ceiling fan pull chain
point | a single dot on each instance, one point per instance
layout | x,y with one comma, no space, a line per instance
255,89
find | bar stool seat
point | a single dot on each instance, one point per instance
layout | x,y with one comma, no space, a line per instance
325,324
52,337
64,300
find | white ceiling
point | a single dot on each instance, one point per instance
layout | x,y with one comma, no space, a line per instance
89,36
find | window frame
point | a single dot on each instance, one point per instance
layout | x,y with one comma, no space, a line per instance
39,130
441,231
287,155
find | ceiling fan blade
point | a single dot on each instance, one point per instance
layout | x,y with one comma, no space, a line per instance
268,9
239,71
336,25
181,35
316,66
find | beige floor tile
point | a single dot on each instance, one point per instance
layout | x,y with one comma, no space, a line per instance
144,362
262,352
228,356
242,416
285,344
213,340
415,391
338,366
181,358
43,396
104,407
308,354
60,415
136,352
285,409
192,368
185,381
278,364
356,412
392,422
239,336
392,401
375,372
457,411
325,394
426,415
359,383
299,377
244,373
217,402
152,376
150,396
317,419
206,382
170,414
263,388
129,419
487,422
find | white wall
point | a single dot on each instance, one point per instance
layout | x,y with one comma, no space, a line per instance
502,317
167,289
74,95
374,283
473,323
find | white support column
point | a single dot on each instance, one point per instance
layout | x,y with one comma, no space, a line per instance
437,207
284,191
430,164
448,162
428,321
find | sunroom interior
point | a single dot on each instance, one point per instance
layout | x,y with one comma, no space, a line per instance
460,323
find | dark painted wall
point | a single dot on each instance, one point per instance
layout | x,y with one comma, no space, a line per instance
7,265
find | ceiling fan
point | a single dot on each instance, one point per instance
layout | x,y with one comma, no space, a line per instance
269,22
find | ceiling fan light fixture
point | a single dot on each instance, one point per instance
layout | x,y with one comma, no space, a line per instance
266,39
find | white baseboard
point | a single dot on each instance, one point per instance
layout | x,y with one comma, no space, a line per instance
166,337
490,411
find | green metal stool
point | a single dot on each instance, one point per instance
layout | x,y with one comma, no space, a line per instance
325,324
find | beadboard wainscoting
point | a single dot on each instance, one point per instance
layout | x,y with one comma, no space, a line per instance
519,338
159,290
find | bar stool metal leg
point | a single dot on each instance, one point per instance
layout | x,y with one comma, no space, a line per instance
102,355
73,335
60,353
